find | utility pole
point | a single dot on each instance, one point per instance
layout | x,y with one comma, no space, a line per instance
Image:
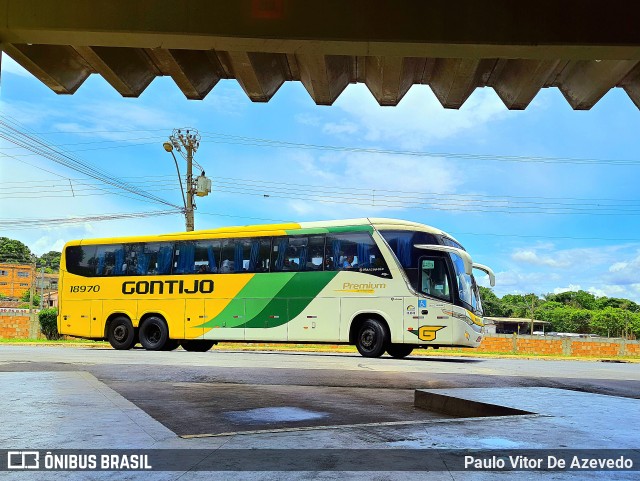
42,288
533,300
33,325
186,142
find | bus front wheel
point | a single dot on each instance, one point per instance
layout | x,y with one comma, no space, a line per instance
121,334
372,338
154,334
399,350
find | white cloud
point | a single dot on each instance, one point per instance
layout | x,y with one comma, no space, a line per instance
354,184
46,244
625,272
419,119
308,119
108,119
569,288
532,257
340,128
608,270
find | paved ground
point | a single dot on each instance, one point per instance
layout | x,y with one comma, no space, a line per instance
141,399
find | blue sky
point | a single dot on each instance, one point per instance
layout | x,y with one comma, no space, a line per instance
593,244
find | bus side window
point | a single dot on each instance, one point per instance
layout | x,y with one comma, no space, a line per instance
154,258
315,256
353,251
206,256
184,258
288,253
81,260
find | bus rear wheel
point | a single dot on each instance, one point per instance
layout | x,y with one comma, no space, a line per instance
399,350
371,340
121,334
197,345
154,334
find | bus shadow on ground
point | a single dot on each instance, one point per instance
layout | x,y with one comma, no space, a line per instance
358,356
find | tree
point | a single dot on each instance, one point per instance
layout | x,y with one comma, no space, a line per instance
577,299
50,261
14,251
610,322
491,304
26,297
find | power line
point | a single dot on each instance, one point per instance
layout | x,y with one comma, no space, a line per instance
10,130
345,192
428,205
226,138
22,223
260,142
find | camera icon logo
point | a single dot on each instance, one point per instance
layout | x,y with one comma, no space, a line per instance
23,460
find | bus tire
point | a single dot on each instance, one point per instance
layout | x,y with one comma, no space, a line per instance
197,345
399,350
372,339
121,334
154,334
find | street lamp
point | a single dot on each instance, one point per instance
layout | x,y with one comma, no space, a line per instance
188,213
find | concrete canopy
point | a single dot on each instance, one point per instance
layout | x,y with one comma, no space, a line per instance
454,46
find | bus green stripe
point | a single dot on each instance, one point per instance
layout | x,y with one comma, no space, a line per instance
350,228
308,231
261,286
303,286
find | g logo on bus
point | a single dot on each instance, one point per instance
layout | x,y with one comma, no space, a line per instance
426,333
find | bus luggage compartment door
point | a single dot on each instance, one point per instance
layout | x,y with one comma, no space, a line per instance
314,319
224,319
97,321
75,318
267,319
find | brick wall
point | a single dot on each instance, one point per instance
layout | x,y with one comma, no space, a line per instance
497,344
558,346
539,346
14,323
633,349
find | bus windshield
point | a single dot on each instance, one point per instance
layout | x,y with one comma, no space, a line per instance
467,287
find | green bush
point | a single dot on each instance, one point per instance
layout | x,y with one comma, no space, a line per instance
26,297
49,323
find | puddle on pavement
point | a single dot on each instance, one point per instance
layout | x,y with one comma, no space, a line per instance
273,415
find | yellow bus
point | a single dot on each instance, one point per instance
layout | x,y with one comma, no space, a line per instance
384,285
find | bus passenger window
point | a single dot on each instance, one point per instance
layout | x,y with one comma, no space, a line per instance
299,253
184,258
315,256
245,255
355,251
206,257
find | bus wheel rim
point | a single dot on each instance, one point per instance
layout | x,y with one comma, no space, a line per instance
368,338
120,333
154,335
